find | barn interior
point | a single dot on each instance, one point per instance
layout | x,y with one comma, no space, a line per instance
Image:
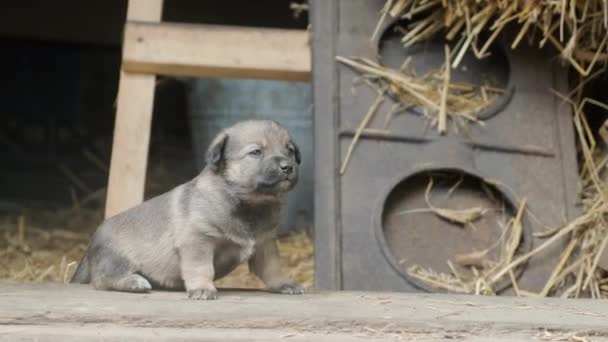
450,147
62,64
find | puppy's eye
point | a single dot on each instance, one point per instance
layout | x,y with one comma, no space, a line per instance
255,152
290,148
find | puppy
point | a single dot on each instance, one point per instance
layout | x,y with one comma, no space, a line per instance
203,229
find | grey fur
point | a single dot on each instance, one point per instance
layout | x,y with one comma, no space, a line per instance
201,230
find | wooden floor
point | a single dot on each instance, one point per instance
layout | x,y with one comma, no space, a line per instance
78,313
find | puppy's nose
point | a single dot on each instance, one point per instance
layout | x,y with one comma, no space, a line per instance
286,166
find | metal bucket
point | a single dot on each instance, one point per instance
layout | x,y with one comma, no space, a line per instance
214,104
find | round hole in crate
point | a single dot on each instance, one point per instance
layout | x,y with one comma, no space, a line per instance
491,71
418,236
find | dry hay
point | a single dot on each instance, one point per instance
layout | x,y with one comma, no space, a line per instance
434,91
578,29
439,96
45,246
296,259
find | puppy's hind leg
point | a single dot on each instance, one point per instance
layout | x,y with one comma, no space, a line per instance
127,283
114,273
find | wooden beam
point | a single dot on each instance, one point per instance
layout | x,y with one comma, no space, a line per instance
145,10
216,51
328,251
55,312
132,127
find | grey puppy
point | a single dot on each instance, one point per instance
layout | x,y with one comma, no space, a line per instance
203,229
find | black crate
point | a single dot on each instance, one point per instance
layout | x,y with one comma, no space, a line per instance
527,146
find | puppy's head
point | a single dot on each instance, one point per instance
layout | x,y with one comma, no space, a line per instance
258,159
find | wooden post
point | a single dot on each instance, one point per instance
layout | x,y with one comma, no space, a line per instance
132,127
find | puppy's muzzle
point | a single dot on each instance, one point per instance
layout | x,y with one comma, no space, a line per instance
280,173
286,167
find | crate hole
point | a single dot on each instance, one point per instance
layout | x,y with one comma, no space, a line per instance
491,71
412,234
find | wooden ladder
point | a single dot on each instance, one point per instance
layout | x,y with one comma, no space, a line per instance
152,47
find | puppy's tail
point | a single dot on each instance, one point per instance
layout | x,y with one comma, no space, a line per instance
82,274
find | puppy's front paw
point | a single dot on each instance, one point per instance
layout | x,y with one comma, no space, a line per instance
202,294
289,288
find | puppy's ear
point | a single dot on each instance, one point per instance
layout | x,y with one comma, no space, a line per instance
297,153
215,152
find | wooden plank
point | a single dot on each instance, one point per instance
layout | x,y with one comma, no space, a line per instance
216,51
326,186
132,126
76,312
109,332
145,10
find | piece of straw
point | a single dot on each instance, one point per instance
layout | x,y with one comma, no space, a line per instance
368,116
444,92
460,216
